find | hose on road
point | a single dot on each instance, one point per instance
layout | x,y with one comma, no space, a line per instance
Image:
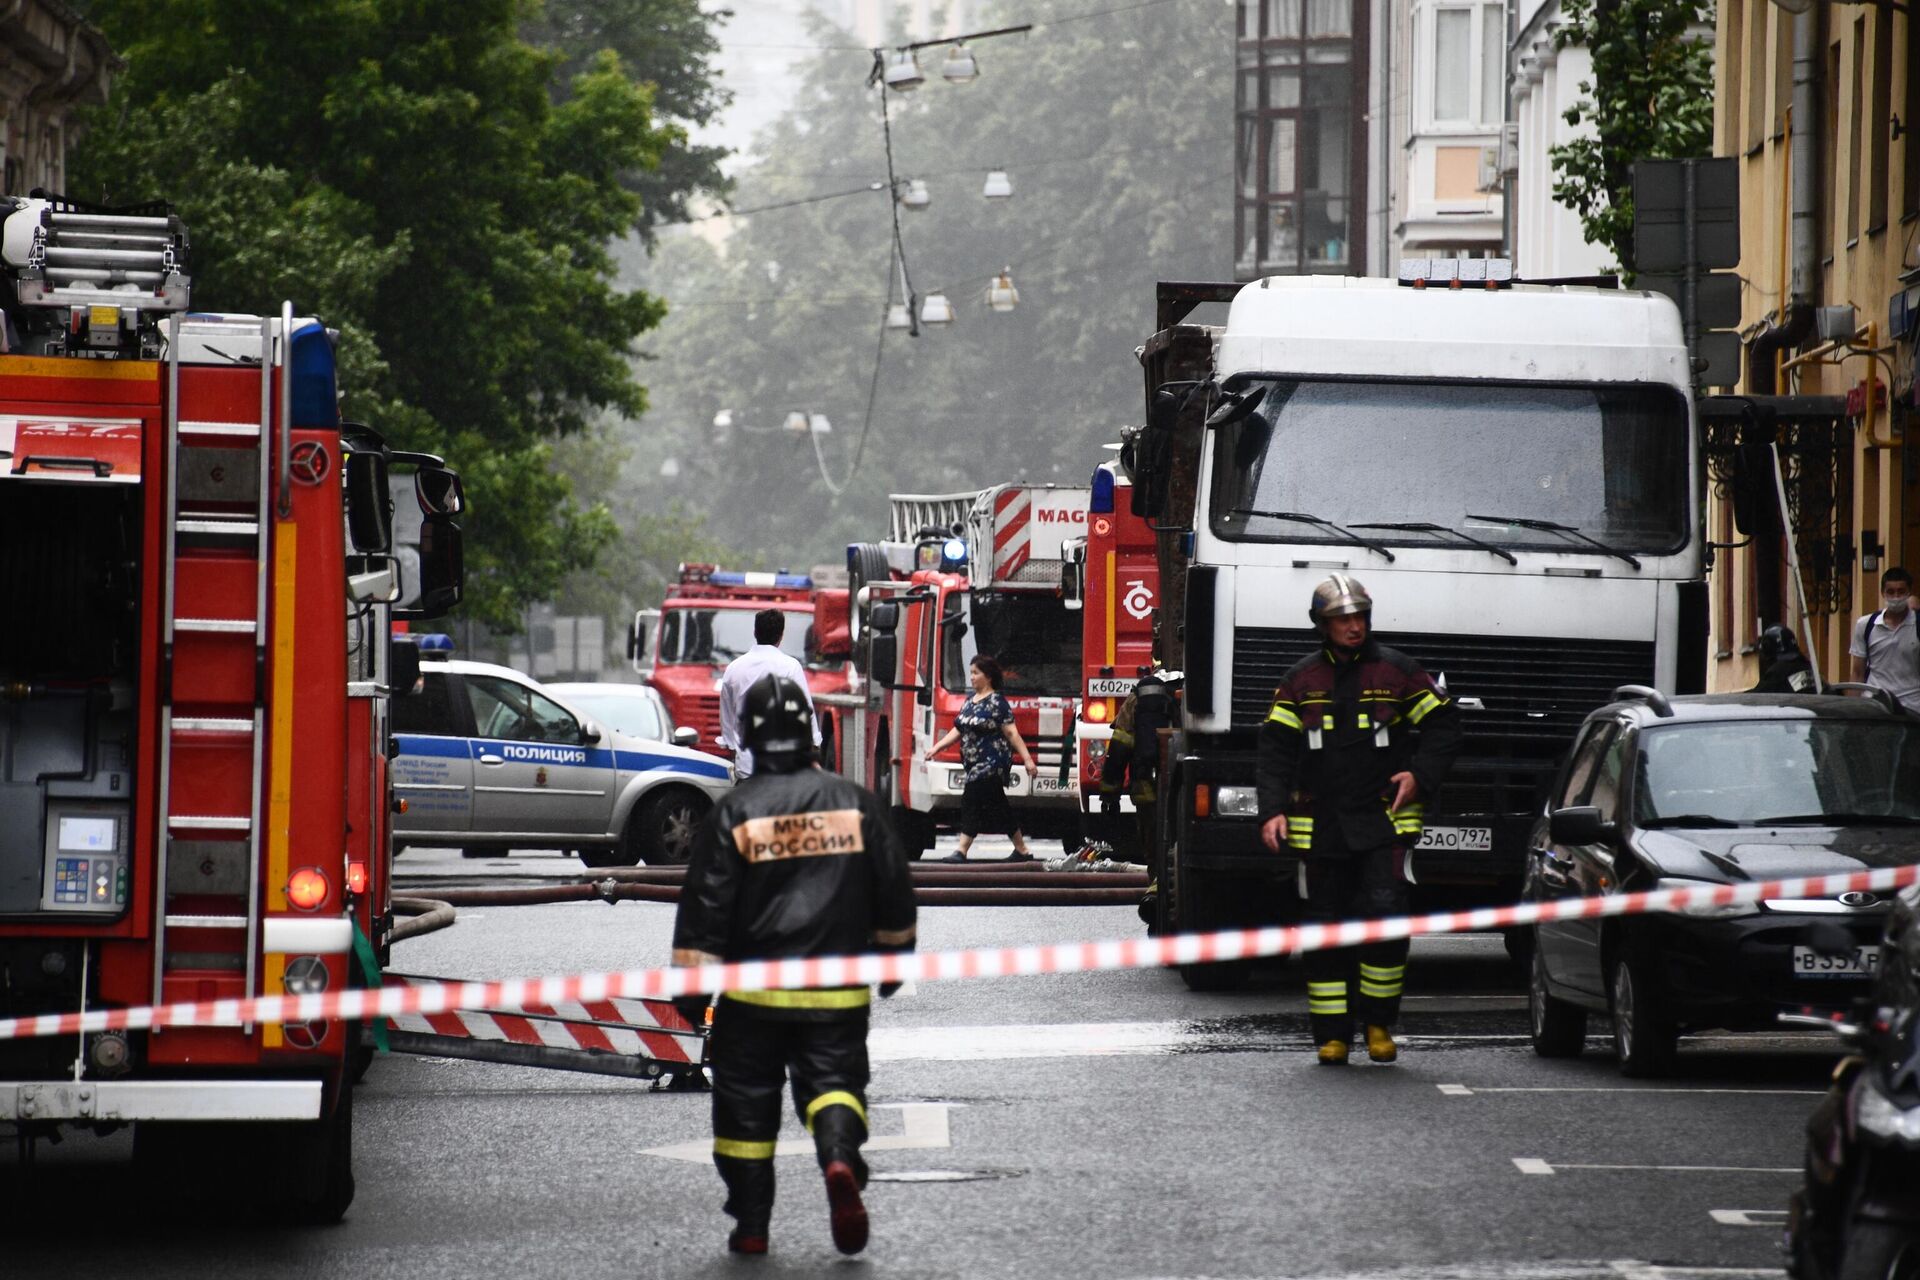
426,915
611,890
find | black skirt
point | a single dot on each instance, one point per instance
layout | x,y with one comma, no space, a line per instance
984,809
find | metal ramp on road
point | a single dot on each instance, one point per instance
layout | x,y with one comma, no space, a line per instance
640,1039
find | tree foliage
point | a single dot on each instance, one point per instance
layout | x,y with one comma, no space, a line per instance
1650,98
406,170
1117,132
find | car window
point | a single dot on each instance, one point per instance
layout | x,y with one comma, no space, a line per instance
428,710
637,717
1585,756
505,709
1608,778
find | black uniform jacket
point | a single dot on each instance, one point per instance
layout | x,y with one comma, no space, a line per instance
1339,729
794,864
1133,752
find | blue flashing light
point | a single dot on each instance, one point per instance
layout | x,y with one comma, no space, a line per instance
727,578
315,399
800,580
1102,500
432,644
736,578
954,552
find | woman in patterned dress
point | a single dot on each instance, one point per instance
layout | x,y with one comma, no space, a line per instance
988,740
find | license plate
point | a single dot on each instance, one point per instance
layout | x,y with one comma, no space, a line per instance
1104,688
1047,782
1457,839
1863,963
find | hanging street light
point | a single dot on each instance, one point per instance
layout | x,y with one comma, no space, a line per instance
915,195
999,185
796,422
898,317
935,309
818,425
1001,295
903,72
960,67
670,469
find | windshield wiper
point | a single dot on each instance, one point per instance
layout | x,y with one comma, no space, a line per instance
1689,820
1837,820
1301,517
1554,526
1425,526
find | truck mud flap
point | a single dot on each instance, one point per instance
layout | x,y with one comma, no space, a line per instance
639,1039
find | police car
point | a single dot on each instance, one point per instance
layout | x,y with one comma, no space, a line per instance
488,760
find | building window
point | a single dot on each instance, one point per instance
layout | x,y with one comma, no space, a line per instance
1856,105
1452,68
1493,64
1469,65
1878,111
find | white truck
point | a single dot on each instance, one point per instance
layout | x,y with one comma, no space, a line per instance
1513,471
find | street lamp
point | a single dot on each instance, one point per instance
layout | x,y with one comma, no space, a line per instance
903,72
670,469
999,185
818,425
935,309
1001,295
898,317
915,195
796,422
960,67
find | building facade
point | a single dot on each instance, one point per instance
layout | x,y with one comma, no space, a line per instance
1545,238
1823,111
1449,71
51,61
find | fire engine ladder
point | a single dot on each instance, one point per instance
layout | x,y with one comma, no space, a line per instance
217,552
636,1038
912,512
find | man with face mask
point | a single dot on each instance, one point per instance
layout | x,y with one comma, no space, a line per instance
1886,643
1356,742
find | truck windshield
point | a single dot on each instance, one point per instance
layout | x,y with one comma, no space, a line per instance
1034,638
1609,461
715,637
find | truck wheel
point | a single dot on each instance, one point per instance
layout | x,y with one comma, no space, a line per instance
1644,1035
320,1158
1559,1029
665,826
1880,1251
1188,913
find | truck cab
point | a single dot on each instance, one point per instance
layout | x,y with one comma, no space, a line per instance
1513,471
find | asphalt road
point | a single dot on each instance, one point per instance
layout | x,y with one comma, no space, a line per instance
1105,1125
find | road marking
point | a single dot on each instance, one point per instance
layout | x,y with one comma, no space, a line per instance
1532,1164
1747,1217
924,1127
1464,1091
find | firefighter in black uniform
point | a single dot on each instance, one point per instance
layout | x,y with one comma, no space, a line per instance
1783,668
1357,738
1132,762
795,862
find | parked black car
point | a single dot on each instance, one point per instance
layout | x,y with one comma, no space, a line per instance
1857,1215
1718,789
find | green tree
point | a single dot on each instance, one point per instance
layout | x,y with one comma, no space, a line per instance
1650,98
405,169
1117,131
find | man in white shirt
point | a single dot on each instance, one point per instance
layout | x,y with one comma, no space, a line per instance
765,658
1886,643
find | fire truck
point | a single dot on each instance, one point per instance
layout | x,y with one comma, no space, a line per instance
1114,579
706,621
192,786
960,574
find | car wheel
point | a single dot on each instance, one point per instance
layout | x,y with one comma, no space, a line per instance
1559,1028
664,827
1880,1251
1645,1038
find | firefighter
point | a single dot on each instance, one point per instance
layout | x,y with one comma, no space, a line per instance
1783,668
1132,762
793,862
1358,737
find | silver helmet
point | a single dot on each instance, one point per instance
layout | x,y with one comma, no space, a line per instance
1337,597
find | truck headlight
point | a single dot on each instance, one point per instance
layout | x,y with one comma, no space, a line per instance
1236,802
1883,1117
1708,911
956,779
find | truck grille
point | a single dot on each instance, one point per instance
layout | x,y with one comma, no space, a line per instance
701,712
1535,689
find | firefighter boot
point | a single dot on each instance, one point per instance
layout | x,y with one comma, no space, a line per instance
838,1132
1333,1053
749,1200
1380,1045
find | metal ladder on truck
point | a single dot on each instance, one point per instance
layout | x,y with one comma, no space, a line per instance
213,723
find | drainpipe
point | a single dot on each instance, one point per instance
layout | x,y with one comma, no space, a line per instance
1797,319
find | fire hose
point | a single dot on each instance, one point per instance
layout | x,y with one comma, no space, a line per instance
427,915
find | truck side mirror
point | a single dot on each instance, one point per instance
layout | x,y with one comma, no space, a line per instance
883,617
442,569
369,508
884,660
403,668
439,491
1073,573
832,624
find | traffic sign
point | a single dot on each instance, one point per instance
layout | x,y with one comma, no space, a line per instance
1660,221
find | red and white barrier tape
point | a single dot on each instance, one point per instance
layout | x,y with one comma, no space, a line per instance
986,962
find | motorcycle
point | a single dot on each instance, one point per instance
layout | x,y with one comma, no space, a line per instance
1857,1214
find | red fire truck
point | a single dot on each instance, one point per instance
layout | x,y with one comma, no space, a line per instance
187,542
1116,582
706,621
960,574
